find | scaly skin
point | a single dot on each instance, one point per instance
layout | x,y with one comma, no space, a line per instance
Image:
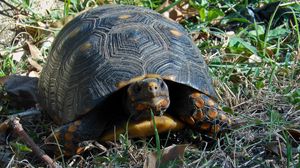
188,107
207,116
198,110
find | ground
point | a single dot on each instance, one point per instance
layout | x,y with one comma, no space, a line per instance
253,55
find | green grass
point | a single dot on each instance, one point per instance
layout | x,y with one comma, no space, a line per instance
262,96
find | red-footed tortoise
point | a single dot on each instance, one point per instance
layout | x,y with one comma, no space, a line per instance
113,63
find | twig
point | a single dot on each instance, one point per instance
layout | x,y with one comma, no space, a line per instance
28,113
10,161
4,126
14,123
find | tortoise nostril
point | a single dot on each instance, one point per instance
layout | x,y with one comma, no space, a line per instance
152,87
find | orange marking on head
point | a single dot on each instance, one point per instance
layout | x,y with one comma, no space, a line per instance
212,113
164,103
189,120
72,128
129,93
205,126
176,32
140,107
199,116
68,136
124,16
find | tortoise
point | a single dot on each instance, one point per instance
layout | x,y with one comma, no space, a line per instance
118,62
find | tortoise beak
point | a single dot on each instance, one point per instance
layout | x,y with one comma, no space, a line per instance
157,105
161,104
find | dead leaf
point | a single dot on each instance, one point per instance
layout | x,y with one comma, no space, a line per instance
200,36
60,23
89,146
33,74
172,13
171,156
36,65
104,2
4,126
275,148
48,42
3,79
279,148
230,33
178,12
34,51
270,52
295,133
35,31
254,59
17,56
236,77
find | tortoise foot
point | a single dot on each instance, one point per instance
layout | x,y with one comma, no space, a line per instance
207,116
201,112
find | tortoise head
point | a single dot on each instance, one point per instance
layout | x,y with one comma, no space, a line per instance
146,95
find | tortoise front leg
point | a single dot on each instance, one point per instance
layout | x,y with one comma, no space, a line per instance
199,111
68,136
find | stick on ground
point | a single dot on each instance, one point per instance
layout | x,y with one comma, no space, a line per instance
15,125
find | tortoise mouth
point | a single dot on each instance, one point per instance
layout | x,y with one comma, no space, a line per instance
157,105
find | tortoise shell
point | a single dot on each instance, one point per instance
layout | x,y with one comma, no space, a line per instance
104,49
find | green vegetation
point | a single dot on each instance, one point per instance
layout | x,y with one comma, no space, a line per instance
253,52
